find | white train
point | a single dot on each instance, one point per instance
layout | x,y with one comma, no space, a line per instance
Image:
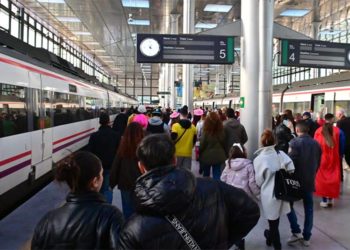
45,114
321,95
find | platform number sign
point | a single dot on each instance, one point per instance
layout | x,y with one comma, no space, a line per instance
314,54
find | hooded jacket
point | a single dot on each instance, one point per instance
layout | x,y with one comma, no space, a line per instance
239,173
214,213
85,221
235,133
184,135
156,125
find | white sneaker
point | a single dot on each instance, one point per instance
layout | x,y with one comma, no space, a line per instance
323,204
306,243
294,238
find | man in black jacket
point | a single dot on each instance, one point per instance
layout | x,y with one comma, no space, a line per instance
215,214
306,155
344,124
104,144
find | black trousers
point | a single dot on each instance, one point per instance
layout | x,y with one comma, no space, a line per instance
274,234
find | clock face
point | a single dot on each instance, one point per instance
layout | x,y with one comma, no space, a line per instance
149,47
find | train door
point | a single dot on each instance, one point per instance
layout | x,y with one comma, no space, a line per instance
41,135
317,103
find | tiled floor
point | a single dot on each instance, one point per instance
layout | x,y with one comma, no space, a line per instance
331,225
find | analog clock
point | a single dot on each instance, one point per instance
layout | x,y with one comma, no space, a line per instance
149,47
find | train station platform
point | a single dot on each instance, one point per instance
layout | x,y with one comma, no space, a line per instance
331,225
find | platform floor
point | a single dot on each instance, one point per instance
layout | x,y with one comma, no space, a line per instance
331,225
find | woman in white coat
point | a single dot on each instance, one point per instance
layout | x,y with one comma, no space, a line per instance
266,164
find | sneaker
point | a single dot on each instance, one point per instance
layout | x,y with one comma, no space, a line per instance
267,237
324,204
295,238
306,243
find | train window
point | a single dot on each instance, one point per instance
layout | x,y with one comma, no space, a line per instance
13,110
65,108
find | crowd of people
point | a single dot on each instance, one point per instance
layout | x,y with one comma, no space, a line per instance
148,156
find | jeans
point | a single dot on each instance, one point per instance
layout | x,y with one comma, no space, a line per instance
309,216
274,234
105,190
127,203
216,171
184,162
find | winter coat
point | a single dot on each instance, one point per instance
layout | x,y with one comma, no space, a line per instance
212,149
104,143
184,135
239,173
120,122
235,133
214,213
313,126
344,124
266,164
86,221
327,183
306,155
124,173
283,135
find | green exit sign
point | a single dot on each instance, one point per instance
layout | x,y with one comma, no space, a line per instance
241,102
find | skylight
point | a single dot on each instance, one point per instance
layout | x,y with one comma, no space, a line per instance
136,3
218,8
295,12
200,25
68,19
51,1
142,22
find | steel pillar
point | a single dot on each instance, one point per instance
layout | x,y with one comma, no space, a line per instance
187,69
250,72
174,29
266,12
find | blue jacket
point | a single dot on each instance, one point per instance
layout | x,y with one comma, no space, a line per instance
306,155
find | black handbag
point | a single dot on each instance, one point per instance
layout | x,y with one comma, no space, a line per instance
287,186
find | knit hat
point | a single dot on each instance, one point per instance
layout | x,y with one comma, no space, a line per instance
142,109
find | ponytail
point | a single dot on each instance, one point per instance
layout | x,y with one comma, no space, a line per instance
79,170
327,132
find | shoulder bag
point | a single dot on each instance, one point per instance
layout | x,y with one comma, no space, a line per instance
178,139
185,235
287,186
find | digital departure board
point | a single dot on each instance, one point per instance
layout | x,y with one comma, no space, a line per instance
314,54
191,49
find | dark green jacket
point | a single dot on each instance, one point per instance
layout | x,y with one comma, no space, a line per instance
212,149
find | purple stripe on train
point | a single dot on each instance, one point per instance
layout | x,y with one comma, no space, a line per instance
70,143
15,168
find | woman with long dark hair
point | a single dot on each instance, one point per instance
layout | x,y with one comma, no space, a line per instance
327,183
86,220
125,168
212,146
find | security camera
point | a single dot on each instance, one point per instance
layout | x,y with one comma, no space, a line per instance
130,19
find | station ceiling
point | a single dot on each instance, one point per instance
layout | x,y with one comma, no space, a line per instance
107,30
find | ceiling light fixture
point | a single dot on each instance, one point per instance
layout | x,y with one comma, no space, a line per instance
82,33
294,12
51,1
68,19
218,8
140,22
136,3
201,25
91,43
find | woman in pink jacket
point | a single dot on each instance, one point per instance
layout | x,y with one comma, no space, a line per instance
239,172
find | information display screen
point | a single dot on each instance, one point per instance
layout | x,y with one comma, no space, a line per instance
314,54
191,49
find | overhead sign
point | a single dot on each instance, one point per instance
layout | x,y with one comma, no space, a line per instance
314,54
242,102
191,49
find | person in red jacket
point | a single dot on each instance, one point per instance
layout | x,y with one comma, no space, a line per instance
327,183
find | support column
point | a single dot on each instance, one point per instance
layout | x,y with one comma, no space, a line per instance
187,69
266,12
174,29
250,72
